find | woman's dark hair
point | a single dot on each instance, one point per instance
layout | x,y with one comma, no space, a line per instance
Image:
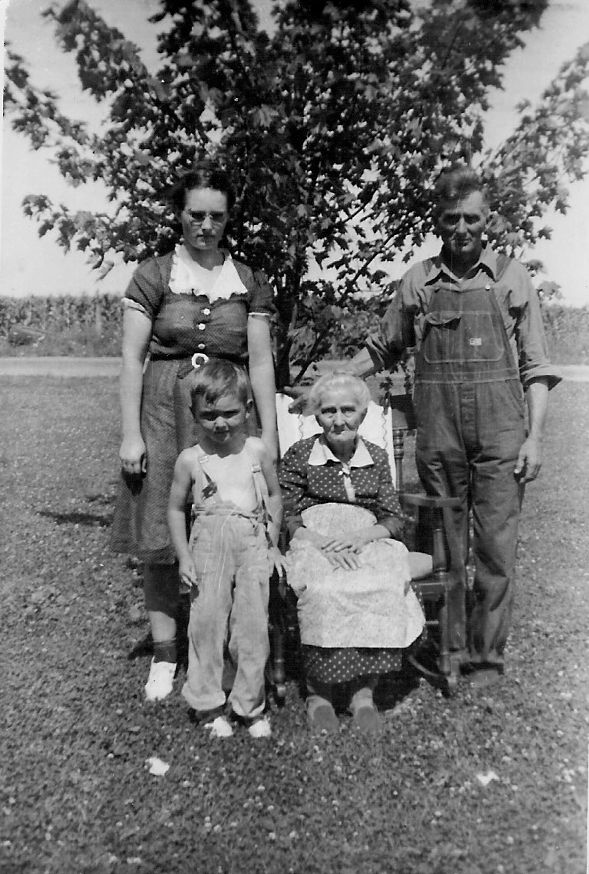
205,174
457,183
218,379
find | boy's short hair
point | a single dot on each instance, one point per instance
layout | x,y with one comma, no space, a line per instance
338,380
216,379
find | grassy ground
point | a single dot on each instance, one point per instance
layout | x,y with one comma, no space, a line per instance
75,791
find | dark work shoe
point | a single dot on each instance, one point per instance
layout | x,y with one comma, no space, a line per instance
367,719
322,718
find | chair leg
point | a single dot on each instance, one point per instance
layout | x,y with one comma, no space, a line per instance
278,666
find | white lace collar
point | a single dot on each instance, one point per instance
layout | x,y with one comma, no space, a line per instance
321,454
185,277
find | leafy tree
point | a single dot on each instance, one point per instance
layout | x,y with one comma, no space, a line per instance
334,127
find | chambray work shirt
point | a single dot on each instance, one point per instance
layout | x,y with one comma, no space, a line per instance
402,326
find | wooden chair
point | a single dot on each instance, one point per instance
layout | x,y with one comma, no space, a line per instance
427,517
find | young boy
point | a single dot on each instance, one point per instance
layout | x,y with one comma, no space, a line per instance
227,561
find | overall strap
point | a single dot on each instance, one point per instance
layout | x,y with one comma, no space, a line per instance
210,490
260,485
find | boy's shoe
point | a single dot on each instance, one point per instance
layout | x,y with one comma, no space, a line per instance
160,681
219,727
260,728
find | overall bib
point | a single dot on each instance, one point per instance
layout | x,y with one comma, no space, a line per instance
470,427
230,551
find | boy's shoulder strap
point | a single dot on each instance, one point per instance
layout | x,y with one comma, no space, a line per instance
260,484
210,487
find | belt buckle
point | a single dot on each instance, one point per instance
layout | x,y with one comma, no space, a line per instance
198,359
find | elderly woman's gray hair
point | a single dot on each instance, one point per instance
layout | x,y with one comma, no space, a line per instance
340,380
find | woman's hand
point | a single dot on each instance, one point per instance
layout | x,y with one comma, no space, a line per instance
346,559
340,552
133,456
350,543
187,573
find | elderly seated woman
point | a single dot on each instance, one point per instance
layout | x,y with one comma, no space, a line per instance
356,608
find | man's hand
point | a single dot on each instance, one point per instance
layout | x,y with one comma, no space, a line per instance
299,393
529,461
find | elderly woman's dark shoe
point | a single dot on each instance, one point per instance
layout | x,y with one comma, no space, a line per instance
367,719
321,717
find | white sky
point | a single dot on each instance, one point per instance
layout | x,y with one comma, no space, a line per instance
39,266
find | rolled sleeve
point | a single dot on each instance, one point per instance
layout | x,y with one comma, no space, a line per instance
530,338
261,297
396,332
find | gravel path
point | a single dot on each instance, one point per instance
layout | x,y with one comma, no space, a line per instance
490,782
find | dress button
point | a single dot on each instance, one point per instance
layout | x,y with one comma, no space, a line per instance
206,311
201,327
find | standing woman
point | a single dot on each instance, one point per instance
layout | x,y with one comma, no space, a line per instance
181,309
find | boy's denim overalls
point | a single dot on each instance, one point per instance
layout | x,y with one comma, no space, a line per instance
230,551
470,427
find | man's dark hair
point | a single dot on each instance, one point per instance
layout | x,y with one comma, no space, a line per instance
457,183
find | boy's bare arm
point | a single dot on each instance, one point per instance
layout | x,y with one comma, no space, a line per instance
274,493
177,516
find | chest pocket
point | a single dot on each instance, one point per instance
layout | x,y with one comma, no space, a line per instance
452,338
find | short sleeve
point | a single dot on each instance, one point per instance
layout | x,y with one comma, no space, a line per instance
146,288
262,295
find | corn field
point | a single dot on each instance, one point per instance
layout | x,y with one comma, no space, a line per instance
55,314
70,325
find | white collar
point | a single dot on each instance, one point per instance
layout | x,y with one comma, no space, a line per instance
185,277
321,454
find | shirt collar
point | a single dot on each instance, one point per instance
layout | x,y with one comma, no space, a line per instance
486,262
321,454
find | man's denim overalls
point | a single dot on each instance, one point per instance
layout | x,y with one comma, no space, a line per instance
470,427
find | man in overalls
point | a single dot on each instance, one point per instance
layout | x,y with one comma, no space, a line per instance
474,318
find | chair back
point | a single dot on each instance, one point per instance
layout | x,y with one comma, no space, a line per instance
377,428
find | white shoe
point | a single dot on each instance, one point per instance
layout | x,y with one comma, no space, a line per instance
260,728
219,727
160,681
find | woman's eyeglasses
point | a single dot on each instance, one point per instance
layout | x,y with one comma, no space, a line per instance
198,218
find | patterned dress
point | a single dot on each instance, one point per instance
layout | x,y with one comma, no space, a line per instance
353,623
186,319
